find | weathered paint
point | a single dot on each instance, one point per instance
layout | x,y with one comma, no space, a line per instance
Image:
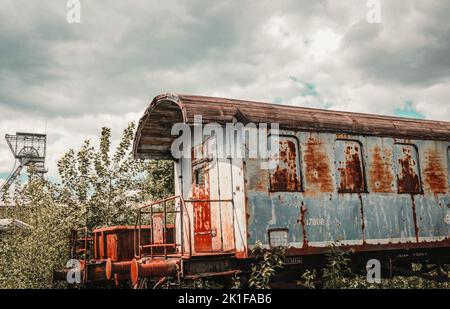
416,226
202,221
317,167
382,215
117,242
301,220
348,156
434,173
364,180
286,176
381,173
408,171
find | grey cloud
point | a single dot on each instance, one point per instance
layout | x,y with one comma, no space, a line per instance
104,71
423,60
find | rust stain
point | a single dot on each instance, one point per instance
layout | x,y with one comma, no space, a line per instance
285,178
302,221
202,220
435,179
317,171
381,176
416,227
407,178
363,224
352,179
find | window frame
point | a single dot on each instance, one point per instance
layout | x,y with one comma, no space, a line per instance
362,156
299,165
419,172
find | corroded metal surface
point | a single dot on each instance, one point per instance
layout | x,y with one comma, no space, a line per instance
317,167
286,177
404,203
116,242
435,178
381,176
202,221
351,177
408,175
373,183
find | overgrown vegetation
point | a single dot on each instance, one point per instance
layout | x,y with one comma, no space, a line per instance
268,261
338,275
99,186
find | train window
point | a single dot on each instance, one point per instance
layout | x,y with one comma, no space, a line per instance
350,166
199,176
199,165
285,177
278,237
407,168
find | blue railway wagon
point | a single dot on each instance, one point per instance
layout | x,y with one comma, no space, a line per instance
376,184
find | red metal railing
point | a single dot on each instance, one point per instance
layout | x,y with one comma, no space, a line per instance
184,224
149,209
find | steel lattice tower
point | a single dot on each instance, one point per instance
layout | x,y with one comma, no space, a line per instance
28,149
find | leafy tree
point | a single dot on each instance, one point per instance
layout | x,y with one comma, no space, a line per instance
28,257
103,187
98,187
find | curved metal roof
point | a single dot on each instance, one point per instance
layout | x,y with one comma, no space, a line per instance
153,137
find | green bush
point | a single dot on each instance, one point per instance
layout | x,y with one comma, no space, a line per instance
99,187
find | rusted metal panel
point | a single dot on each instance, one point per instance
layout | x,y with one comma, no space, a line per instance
111,245
167,109
152,269
215,185
377,217
317,167
435,178
226,209
286,176
116,242
202,221
349,166
408,172
381,172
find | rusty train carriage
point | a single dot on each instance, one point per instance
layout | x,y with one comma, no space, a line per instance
377,184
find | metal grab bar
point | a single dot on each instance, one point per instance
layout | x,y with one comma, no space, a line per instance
148,210
138,225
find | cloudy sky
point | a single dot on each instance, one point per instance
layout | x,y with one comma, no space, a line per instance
69,80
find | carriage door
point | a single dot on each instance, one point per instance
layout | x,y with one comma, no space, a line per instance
205,189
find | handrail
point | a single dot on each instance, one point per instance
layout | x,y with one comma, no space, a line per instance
138,224
183,211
